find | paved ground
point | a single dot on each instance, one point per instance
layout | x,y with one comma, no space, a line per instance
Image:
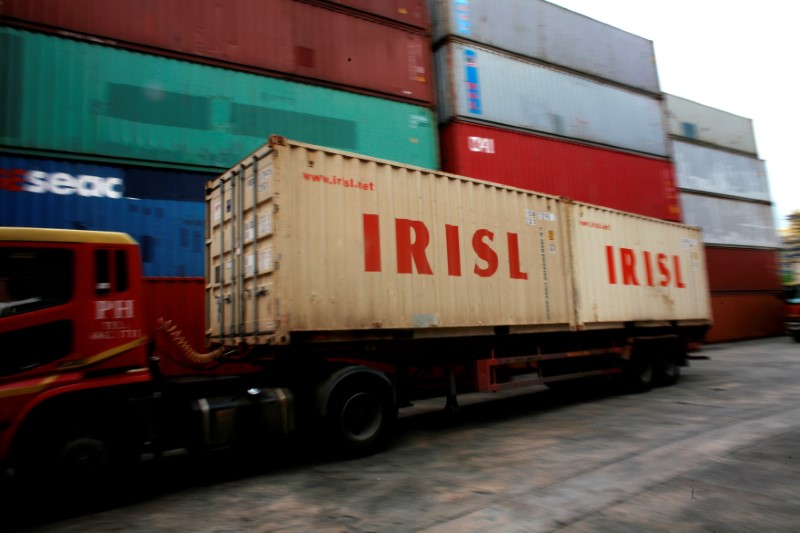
716,453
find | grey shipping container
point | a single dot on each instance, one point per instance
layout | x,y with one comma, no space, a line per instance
553,34
730,222
705,169
485,85
699,122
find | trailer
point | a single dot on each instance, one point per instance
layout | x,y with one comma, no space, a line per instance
339,288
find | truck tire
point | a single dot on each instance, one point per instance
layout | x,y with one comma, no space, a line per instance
667,371
359,417
73,463
640,373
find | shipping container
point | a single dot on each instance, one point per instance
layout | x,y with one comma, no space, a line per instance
477,83
731,222
698,122
411,12
550,33
324,241
742,269
61,95
162,209
700,168
307,40
620,180
739,316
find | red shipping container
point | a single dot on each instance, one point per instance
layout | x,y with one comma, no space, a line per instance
742,269
610,178
304,41
745,316
411,12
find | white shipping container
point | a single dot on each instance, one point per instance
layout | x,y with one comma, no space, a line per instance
699,122
306,239
550,33
705,169
479,84
731,222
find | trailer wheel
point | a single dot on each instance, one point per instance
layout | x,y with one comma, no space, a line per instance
640,373
667,371
359,417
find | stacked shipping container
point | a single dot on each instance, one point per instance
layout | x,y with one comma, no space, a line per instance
561,104
723,189
114,115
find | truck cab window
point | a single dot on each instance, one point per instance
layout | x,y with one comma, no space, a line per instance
111,271
34,278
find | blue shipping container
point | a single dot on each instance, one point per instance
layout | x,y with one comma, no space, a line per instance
162,209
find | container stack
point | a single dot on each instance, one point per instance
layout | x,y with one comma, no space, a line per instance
538,97
723,189
113,115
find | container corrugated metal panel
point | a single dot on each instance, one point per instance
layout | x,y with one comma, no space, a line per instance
162,209
305,239
745,316
742,269
291,37
706,169
550,33
411,12
730,222
699,122
91,99
481,84
628,268
620,180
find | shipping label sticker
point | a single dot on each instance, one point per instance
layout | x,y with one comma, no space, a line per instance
265,224
216,208
463,22
472,84
480,144
688,243
552,248
249,230
249,265
530,217
264,179
265,260
550,217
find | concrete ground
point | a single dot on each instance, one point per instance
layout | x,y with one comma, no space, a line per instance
716,453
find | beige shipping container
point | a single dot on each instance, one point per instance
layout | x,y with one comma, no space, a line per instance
307,240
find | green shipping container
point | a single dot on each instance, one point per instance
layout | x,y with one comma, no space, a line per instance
66,96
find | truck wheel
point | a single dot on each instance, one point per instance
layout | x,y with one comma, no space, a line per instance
359,418
640,373
74,467
667,371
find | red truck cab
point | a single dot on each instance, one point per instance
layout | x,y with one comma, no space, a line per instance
792,310
63,331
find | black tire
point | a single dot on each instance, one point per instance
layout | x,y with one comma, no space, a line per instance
797,337
360,417
667,371
73,464
640,373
